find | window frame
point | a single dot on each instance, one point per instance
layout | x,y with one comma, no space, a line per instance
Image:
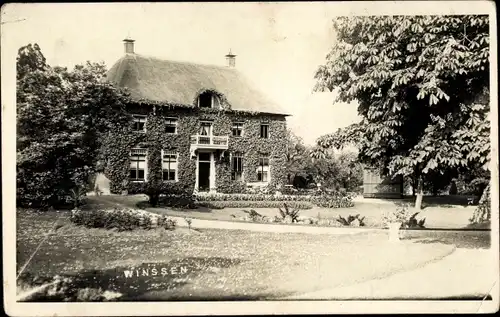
135,118
169,124
263,169
214,100
208,123
268,134
131,154
234,172
238,125
171,152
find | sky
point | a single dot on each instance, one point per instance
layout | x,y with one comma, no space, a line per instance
278,46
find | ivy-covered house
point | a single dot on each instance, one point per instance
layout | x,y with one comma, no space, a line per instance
195,127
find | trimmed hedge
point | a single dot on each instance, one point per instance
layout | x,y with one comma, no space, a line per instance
254,204
121,219
249,197
330,200
327,201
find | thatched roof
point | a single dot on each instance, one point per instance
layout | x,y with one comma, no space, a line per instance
172,82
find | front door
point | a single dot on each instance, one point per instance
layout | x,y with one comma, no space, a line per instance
204,172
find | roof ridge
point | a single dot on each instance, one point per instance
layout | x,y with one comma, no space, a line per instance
182,62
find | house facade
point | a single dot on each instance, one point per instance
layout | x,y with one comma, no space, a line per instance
195,127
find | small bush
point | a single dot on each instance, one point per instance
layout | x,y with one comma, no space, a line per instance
254,216
402,215
157,191
254,204
333,201
286,213
76,196
167,223
399,214
183,200
350,220
412,222
189,221
120,219
90,295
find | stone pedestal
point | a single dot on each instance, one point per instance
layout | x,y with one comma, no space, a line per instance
394,232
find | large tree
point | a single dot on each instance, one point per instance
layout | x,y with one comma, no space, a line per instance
61,115
422,88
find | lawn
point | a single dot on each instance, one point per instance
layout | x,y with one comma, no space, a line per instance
217,264
445,216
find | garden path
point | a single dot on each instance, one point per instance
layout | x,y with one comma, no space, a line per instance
262,227
231,225
465,272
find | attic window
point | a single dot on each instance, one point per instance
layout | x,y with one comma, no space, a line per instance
208,100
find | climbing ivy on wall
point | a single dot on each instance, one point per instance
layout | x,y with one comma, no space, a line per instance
117,145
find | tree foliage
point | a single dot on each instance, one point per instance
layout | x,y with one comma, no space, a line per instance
421,83
29,58
330,170
298,160
61,116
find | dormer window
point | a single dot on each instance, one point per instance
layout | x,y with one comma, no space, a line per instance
208,100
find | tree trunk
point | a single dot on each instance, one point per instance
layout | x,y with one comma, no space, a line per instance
483,210
413,186
420,194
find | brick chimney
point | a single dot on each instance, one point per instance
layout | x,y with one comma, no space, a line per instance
129,45
231,59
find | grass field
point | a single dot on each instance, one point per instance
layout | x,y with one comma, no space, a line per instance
219,264
445,216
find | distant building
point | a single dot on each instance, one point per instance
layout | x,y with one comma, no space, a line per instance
376,185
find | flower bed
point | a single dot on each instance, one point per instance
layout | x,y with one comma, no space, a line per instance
326,200
120,219
253,204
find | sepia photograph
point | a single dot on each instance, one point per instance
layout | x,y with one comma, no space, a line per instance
249,158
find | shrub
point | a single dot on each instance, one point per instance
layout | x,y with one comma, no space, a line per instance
350,220
90,295
248,197
120,219
254,204
76,196
167,223
189,221
184,200
332,201
156,190
399,214
320,199
412,222
254,216
286,213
